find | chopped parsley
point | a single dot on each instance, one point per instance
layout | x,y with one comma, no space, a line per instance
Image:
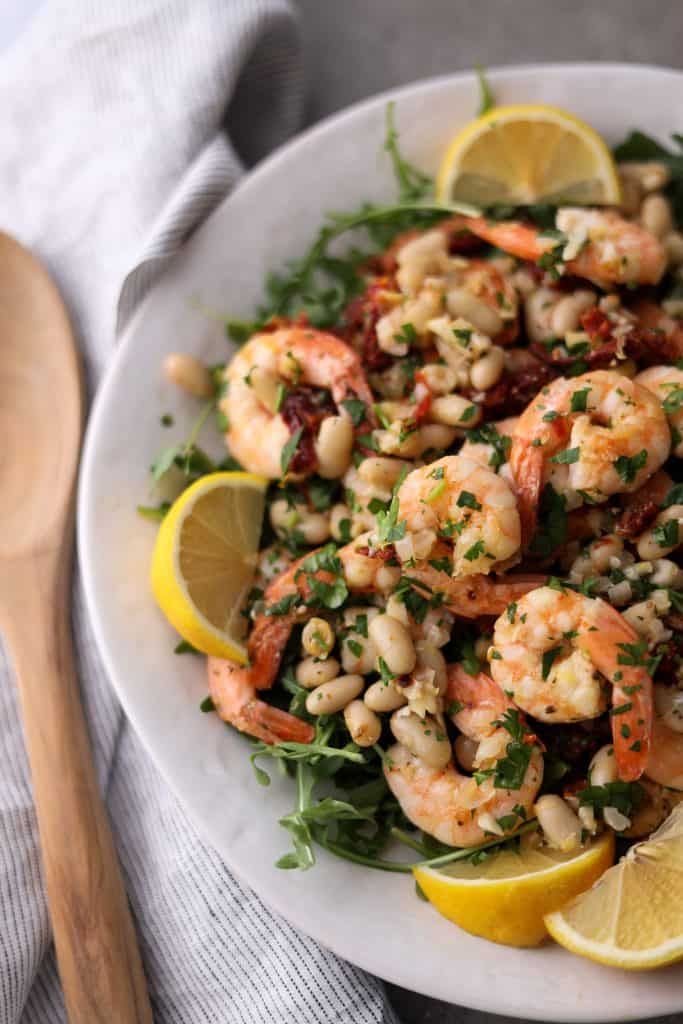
289,450
467,500
628,466
356,409
568,457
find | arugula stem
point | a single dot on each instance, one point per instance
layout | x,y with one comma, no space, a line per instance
403,837
461,854
358,858
341,224
196,430
381,864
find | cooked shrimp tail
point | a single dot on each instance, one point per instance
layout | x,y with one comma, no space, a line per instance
235,700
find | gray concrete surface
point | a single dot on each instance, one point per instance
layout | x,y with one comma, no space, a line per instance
355,48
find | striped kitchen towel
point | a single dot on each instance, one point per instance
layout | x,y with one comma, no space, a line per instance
124,123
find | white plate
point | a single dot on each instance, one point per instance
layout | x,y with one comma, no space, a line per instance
370,918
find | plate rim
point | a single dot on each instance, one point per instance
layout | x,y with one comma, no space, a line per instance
85,505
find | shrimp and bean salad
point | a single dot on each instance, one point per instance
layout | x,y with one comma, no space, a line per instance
466,618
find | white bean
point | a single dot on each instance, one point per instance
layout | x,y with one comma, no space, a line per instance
333,446
430,657
359,571
465,751
379,472
538,310
655,215
282,515
439,378
673,243
314,526
454,410
334,695
561,827
393,644
381,696
358,651
666,573
487,371
188,373
397,609
363,724
603,766
317,638
387,577
631,195
567,313
484,318
435,436
648,544
650,175
310,672
423,737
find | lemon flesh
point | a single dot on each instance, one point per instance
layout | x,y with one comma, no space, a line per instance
529,153
505,898
633,917
204,560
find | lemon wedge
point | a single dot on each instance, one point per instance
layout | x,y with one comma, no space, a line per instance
633,917
505,898
204,559
529,153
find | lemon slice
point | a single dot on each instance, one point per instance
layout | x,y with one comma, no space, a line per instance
204,559
530,153
505,898
633,917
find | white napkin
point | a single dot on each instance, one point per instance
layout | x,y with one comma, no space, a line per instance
111,151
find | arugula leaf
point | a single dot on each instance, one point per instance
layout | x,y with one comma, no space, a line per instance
184,647
412,183
157,512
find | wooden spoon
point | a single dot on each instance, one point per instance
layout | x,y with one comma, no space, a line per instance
40,426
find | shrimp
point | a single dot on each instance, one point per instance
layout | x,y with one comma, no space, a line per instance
600,245
274,389
458,498
555,654
665,763
234,696
490,453
591,437
455,808
666,382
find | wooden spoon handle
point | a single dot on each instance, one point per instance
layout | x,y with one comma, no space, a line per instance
97,951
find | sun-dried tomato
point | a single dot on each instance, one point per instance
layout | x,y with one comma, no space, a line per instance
305,407
637,518
518,386
359,323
